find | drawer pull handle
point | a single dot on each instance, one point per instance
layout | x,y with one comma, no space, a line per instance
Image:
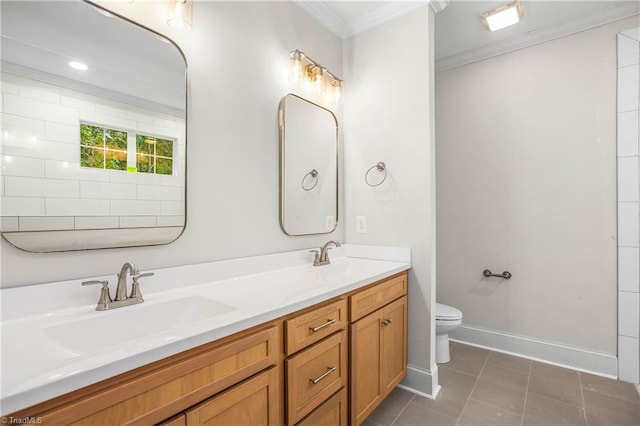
387,321
321,326
325,374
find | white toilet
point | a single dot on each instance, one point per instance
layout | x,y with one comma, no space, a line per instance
448,319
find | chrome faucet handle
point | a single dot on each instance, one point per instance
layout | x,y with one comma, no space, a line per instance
105,297
135,286
316,258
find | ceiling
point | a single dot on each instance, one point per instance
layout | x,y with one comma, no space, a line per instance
39,38
460,37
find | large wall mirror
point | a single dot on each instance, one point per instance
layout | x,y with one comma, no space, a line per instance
93,129
308,167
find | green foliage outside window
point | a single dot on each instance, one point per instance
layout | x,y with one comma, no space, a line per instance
154,155
103,148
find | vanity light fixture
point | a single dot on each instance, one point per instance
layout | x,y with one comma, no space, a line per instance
179,16
503,16
313,76
78,66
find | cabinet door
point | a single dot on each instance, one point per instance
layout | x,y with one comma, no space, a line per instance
394,344
333,412
255,402
365,390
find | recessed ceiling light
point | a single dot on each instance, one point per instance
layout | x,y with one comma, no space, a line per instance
78,66
503,16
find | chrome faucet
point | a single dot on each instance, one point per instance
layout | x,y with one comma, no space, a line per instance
105,302
121,289
322,256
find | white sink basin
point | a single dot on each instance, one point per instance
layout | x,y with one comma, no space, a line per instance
125,325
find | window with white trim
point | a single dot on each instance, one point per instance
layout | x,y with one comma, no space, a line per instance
117,149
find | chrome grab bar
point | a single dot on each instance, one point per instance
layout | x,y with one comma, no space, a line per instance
506,274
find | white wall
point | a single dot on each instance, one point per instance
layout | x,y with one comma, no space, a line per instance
387,110
526,182
628,193
238,63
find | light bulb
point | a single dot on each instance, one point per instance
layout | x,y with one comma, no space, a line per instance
180,15
295,66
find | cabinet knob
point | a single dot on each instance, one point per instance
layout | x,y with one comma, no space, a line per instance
387,321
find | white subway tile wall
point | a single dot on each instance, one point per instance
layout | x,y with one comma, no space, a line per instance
97,222
41,173
628,206
629,269
628,134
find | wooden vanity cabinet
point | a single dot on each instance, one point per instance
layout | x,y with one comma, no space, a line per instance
158,391
378,344
330,364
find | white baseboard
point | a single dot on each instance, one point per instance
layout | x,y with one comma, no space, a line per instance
571,357
421,381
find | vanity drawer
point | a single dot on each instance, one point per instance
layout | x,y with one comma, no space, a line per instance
332,412
315,325
367,301
176,384
314,375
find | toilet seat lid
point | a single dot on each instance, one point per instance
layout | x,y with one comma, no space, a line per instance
447,312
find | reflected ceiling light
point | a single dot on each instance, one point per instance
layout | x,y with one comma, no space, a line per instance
78,66
311,75
180,13
503,16
103,12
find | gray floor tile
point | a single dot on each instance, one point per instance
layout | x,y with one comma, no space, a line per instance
467,359
456,388
542,411
510,362
555,382
478,413
604,410
417,415
502,388
391,407
615,388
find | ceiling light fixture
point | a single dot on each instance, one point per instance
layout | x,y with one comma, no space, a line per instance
503,16
313,76
78,66
180,14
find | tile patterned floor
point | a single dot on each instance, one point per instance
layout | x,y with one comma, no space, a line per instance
481,387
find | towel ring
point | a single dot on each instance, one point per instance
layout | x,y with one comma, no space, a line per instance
381,168
314,175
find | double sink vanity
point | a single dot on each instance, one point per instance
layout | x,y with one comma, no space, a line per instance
284,342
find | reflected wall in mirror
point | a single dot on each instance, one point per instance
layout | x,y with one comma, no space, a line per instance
308,167
93,129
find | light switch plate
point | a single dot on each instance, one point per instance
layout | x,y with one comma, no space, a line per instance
361,224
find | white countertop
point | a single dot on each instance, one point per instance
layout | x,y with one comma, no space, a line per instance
54,342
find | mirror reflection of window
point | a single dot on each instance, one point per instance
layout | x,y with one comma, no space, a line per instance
93,152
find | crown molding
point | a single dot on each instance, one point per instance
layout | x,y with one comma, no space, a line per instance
619,11
438,5
325,15
345,29
381,15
